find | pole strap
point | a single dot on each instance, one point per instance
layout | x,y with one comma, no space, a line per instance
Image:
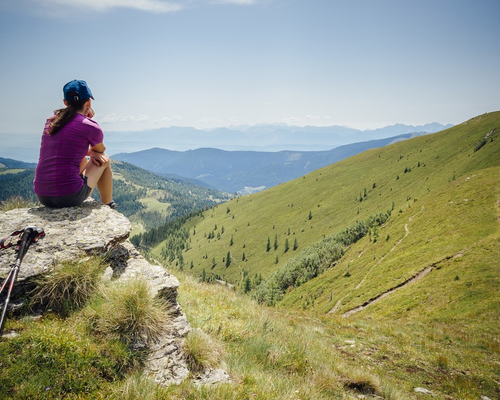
10,240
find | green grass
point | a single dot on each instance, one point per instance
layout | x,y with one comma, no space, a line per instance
280,354
89,345
10,171
269,352
53,358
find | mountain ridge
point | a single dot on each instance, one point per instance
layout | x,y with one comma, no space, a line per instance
240,171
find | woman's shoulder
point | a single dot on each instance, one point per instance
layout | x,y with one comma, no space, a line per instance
90,122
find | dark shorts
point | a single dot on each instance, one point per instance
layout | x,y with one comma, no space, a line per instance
69,200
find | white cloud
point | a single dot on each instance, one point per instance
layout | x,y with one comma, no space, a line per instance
155,6
110,118
291,120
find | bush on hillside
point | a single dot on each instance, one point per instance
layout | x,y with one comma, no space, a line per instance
314,260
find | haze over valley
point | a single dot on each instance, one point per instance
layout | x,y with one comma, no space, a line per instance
263,137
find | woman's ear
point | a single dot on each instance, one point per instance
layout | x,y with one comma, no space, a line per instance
65,102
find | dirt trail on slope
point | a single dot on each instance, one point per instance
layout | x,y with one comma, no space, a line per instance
413,279
409,281
407,232
363,280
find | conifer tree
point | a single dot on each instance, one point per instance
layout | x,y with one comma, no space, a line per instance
248,285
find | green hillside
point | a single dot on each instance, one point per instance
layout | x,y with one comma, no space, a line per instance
147,199
421,289
440,188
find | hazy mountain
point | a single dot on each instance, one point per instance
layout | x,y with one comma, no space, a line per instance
244,171
261,137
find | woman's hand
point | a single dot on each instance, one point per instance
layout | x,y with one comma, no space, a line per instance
98,158
89,113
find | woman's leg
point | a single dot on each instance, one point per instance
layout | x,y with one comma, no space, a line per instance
102,177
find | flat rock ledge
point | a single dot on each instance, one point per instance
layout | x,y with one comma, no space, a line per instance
94,229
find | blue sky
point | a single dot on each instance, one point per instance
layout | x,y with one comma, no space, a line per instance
202,63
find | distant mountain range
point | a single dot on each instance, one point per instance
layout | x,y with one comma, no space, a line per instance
244,172
265,137
262,137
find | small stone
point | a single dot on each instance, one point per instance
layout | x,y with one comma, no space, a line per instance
423,391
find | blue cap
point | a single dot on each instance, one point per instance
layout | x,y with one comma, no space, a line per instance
80,88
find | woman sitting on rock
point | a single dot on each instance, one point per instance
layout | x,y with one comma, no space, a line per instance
72,160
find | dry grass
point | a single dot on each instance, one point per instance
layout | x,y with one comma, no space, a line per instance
202,352
16,202
69,286
136,386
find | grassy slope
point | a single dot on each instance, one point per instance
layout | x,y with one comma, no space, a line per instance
157,187
332,194
441,331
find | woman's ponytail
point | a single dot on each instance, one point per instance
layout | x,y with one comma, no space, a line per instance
64,115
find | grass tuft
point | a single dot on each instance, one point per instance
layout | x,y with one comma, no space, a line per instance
69,286
129,312
202,351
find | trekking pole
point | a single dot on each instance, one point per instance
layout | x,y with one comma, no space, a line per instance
29,235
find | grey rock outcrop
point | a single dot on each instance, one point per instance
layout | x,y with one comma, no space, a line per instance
93,229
